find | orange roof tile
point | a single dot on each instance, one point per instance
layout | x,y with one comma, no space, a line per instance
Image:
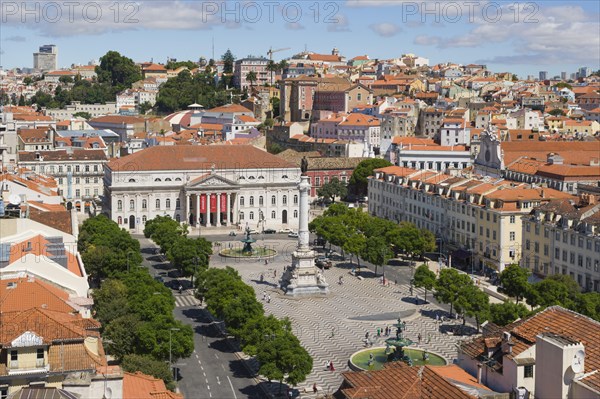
30,293
141,386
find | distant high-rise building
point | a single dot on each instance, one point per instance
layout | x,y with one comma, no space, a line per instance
543,75
45,59
563,76
529,77
583,72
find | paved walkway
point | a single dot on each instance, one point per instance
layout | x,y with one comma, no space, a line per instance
332,328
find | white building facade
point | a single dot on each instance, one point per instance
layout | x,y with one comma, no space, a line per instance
204,186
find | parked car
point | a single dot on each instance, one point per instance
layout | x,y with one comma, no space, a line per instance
293,234
286,230
232,233
254,231
319,242
323,262
270,231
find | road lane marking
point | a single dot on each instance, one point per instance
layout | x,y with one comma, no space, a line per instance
218,381
204,374
208,386
206,379
223,367
202,367
231,385
217,356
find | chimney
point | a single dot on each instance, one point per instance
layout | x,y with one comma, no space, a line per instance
479,372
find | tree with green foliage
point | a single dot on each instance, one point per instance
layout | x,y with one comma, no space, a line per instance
27,80
122,334
550,292
514,281
256,331
82,114
251,77
557,112
272,67
424,278
65,79
110,301
145,107
21,101
118,71
588,304
334,188
377,252
228,59
147,365
506,312
359,178
189,255
283,358
106,249
474,303
177,64
448,286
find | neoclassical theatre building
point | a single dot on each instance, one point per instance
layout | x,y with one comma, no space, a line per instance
206,186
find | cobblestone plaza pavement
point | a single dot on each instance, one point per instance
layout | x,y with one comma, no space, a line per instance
332,328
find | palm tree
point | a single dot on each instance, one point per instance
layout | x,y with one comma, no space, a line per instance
251,77
272,66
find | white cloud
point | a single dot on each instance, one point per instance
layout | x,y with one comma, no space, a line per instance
424,40
385,29
16,39
552,33
341,25
293,26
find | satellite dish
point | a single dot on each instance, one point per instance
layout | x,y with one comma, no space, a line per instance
14,199
577,362
108,393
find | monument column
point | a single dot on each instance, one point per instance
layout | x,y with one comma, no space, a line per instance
303,278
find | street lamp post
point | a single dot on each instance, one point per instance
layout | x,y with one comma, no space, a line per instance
171,352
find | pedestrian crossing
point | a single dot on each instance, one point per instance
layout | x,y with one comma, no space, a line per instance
182,301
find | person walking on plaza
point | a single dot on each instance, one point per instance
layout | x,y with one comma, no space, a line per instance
331,368
268,298
419,337
428,337
378,332
315,390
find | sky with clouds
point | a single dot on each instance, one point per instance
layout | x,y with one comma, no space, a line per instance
522,37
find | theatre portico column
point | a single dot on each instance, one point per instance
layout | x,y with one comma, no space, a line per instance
197,210
208,209
228,210
186,217
218,199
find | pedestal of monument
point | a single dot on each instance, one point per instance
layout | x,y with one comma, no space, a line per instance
303,278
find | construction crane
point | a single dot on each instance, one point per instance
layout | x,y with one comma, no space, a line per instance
271,51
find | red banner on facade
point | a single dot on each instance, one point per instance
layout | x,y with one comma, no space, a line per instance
203,203
224,203
213,203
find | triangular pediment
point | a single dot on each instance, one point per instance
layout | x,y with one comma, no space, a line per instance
211,180
27,339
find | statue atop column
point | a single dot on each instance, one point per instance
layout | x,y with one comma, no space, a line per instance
304,165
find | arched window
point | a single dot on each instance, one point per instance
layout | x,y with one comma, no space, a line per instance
157,179
119,205
260,201
261,178
295,200
158,203
251,216
284,176
241,215
119,220
168,179
242,201
144,204
284,200
251,178
178,179
131,205
144,218
251,201
273,200
295,214
168,203
131,180
177,217
273,215
177,203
